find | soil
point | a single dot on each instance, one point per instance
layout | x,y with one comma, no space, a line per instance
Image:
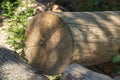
3,36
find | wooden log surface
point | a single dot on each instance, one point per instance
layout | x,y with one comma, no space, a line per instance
12,67
54,40
77,72
96,35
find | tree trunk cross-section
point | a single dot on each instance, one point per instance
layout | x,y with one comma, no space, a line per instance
54,40
12,67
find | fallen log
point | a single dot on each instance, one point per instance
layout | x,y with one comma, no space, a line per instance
77,72
12,67
54,40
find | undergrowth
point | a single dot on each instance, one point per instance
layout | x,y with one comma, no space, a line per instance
93,5
18,13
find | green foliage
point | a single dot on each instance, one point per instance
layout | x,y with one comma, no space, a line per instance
56,77
17,22
117,69
93,5
8,7
116,58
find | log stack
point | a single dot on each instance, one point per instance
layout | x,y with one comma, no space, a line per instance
54,40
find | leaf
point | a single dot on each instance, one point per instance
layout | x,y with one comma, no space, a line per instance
116,58
117,70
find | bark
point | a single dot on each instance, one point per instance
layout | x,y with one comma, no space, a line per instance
54,40
77,72
12,67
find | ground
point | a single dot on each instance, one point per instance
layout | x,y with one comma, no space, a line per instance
3,27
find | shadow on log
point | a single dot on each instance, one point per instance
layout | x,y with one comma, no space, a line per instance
54,40
12,67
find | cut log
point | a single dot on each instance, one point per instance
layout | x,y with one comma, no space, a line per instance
116,78
77,72
12,67
54,40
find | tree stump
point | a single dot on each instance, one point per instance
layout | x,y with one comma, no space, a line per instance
54,40
12,67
